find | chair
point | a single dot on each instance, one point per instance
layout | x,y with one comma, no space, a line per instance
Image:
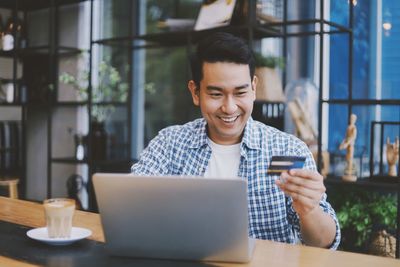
12,184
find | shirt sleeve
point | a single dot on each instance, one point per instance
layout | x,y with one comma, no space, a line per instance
154,160
293,218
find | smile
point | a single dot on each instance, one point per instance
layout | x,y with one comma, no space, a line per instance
229,119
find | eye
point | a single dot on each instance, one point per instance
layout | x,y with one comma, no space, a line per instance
241,93
215,94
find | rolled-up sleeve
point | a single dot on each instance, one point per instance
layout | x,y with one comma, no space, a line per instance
325,206
154,160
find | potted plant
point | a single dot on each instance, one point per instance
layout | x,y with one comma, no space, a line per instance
362,215
109,88
269,86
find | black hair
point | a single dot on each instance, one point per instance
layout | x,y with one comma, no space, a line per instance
220,47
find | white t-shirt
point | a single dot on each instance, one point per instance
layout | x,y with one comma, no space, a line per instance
224,162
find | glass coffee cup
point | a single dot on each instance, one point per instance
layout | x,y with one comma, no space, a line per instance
59,213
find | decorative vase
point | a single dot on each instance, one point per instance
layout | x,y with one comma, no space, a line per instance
80,146
98,141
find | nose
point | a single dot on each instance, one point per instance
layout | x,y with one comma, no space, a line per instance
229,106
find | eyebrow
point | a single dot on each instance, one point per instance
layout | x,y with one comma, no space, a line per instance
212,87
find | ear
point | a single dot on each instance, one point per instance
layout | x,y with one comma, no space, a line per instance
254,85
195,92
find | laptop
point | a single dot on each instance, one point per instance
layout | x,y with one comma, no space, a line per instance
181,218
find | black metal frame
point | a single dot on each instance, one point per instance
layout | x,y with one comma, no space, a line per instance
381,125
96,165
56,51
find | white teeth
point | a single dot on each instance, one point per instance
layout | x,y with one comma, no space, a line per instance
228,119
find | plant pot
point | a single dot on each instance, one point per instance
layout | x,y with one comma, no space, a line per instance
98,141
383,244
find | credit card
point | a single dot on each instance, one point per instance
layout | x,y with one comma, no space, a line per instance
280,164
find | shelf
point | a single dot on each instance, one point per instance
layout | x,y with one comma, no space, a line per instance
356,102
112,161
18,80
40,50
180,38
371,182
70,103
7,149
69,160
337,27
110,103
85,103
105,162
35,4
9,53
15,104
45,49
10,173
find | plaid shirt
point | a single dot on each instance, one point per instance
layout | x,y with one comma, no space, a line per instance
184,150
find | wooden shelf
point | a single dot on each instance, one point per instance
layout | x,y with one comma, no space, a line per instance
369,182
363,101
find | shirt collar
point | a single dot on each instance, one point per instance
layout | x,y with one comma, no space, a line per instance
251,139
199,134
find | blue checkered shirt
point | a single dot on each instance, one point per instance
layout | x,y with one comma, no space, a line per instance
184,150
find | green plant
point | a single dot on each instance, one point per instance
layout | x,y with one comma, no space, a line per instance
269,61
360,211
109,88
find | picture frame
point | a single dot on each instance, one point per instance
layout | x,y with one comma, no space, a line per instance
215,13
378,165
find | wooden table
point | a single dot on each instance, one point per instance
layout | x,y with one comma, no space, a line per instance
267,253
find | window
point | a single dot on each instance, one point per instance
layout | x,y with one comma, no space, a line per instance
376,70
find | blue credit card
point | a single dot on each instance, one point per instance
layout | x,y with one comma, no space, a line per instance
280,164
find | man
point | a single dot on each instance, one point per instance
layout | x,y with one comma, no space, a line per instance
227,142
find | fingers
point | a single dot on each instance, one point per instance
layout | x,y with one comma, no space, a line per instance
306,174
296,191
304,183
305,187
307,182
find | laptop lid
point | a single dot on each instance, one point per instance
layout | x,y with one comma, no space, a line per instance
174,217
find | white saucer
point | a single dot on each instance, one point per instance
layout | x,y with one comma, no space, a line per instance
41,235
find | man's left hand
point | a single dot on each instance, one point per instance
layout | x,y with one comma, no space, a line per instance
305,187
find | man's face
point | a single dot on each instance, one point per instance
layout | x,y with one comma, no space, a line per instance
226,99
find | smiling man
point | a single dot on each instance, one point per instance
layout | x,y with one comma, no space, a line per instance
225,98
228,143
